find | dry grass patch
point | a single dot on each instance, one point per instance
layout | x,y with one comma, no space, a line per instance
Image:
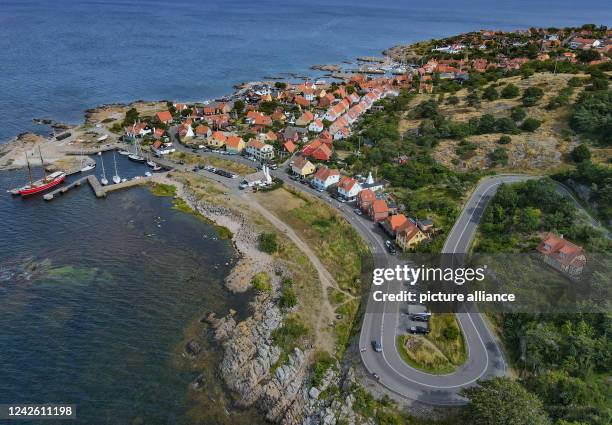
422,354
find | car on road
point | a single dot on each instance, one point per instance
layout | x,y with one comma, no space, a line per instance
418,330
377,346
390,247
358,211
375,376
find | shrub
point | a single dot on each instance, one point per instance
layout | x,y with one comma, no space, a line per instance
452,100
581,153
518,114
262,282
531,124
499,156
504,140
450,333
323,361
506,125
268,243
510,91
574,82
532,95
490,93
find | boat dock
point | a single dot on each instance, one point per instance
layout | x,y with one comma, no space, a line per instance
99,190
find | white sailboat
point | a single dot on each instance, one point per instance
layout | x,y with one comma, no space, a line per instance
136,156
87,164
116,178
103,179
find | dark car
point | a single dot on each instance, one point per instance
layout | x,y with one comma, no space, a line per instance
418,330
420,317
390,247
377,346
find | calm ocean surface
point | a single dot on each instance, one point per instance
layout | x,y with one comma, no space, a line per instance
58,58
96,295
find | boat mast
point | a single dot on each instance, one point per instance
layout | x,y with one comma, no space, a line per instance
42,163
29,169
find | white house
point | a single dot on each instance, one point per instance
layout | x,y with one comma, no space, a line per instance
348,188
316,126
259,150
325,177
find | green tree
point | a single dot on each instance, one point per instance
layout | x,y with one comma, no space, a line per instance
131,116
581,153
510,91
490,93
592,115
501,401
239,106
587,55
518,114
532,95
531,124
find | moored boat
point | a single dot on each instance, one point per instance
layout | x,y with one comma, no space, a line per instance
43,184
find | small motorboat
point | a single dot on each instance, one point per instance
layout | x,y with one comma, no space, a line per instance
124,153
148,174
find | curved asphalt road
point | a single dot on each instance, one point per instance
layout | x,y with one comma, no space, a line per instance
382,323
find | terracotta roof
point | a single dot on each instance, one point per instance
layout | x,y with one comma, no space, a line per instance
562,250
323,173
379,206
218,135
254,143
397,221
366,195
289,146
346,183
164,116
409,231
233,141
202,130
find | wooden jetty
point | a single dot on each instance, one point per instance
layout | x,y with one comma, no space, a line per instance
99,190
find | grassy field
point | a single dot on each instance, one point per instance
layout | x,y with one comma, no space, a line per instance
335,242
439,352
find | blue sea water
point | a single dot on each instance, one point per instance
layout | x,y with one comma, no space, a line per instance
58,58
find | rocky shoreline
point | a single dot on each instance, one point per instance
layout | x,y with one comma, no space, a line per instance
249,368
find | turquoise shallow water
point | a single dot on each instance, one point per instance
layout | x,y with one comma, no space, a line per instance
95,296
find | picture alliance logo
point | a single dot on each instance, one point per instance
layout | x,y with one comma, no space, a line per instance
415,275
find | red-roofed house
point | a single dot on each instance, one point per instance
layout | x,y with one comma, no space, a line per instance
234,144
217,139
289,146
348,188
378,210
164,117
203,131
365,199
409,235
317,149
305,119
325,177
562,254
396,223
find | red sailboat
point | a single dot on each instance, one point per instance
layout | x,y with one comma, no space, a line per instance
47,182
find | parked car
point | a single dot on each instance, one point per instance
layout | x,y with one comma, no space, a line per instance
358,211
377,346
420,317
418,330
390,247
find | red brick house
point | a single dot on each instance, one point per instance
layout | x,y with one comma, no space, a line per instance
365,199
378,210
